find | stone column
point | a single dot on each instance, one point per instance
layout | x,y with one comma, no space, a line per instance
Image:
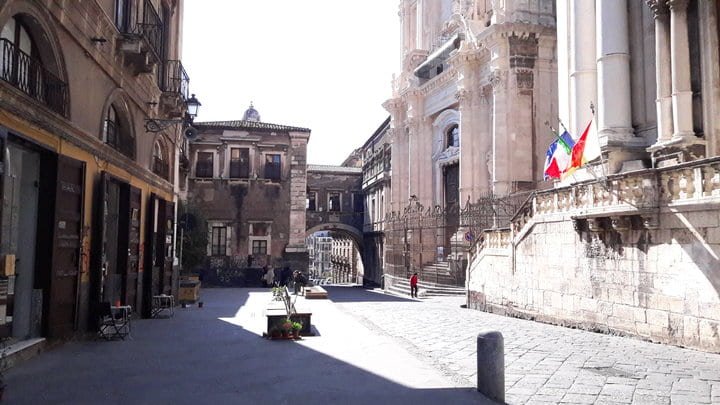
662,71
583,64
614,114
483,151
680,64
298,194
500,159
467,133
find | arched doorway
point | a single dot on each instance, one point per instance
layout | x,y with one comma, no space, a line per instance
335,254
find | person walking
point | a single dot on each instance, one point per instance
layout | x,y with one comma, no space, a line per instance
269,277
414,286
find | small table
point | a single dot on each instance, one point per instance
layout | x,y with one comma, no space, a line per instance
161,303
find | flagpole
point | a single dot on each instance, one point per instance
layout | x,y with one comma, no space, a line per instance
602,159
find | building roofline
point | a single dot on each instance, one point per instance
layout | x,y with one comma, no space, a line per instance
248,125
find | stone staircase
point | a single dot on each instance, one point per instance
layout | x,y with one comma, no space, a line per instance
401,286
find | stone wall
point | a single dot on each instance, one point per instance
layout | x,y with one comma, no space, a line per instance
659,284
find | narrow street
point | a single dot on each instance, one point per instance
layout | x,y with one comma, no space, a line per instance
215,355
370,348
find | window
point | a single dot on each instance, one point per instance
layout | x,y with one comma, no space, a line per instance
259,247
204,165
160,166
358,202
112,127
334,201
272,167
117,132
311,201
239,163
122,12
219,241
453,136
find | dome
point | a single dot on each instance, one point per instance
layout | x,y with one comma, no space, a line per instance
251,114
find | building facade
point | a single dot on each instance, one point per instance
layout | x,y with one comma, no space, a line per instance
629,245
88,202
249,178
377,172
468,113
319,247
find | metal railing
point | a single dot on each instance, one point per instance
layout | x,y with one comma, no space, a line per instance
32,78
144,21
174,79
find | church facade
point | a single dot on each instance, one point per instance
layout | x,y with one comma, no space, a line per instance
630,244
478,82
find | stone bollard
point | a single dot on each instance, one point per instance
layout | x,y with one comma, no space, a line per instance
491,365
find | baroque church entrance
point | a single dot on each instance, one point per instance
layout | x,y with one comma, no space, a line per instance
451,177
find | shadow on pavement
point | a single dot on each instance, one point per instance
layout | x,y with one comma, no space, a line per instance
360,294
197,358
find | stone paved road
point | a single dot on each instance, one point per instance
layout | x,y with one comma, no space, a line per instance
544,363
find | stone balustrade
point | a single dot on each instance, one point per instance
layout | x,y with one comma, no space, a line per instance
611,200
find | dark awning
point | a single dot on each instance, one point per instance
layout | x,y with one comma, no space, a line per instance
439,56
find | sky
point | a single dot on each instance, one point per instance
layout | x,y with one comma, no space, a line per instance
326,65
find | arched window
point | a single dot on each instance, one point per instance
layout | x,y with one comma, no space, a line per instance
22,66
452,136
160,163
117,133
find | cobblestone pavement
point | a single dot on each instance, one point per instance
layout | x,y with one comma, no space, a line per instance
543,363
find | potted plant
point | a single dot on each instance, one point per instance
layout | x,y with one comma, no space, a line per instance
286,327
296,327
275,332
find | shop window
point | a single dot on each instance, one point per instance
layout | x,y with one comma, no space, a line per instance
272,167
204,165
239,163
219,241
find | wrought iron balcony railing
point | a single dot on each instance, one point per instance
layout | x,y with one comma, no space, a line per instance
174,79
31,77
143,21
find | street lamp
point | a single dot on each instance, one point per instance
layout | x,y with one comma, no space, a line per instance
192,105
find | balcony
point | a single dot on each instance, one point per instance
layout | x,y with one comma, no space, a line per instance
142,39
174,83
32,78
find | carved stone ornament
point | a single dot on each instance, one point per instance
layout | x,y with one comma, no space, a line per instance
650,222
595,225
658,7
620,223
524,79
463,95
496,78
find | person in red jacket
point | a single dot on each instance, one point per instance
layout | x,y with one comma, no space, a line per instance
413,286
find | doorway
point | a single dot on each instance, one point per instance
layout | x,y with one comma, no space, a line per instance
21,188
451,177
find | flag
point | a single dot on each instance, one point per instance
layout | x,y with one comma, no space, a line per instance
558,156
586,149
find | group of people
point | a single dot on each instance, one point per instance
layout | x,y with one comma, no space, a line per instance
282,277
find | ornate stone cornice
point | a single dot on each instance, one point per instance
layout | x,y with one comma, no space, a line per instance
439,81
